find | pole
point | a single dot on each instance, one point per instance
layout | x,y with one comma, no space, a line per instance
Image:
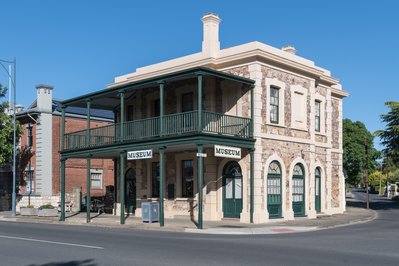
367,173
379,190
14,166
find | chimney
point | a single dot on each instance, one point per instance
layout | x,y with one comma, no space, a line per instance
289,49
210,43
44,97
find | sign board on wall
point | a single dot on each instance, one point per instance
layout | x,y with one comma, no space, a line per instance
228,152
138,155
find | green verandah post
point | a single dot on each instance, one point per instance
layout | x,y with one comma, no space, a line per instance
62,216
161,185
200,181
122,186
88,187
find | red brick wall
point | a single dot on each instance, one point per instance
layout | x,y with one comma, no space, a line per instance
76,169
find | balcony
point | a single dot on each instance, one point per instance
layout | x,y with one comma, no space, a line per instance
173,125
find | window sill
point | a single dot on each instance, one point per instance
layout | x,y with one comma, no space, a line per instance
301,129
323,134
276,125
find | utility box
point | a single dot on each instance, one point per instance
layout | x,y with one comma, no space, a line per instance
150,211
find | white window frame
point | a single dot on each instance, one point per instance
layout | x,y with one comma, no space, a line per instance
295,123
275,83
322,101
96,171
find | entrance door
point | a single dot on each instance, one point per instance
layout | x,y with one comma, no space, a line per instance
317,190
274,200
232,190
130,196
298,191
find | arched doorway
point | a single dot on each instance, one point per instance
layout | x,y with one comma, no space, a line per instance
274,199
232,190
318,189
298,190
130,191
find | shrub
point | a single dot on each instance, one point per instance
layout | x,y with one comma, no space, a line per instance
47,206
30,206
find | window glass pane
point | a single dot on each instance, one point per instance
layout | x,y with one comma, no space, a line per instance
298,170
238,185
274,168
188,178
155,179
274,104
229,188
187,102
96,180
317,116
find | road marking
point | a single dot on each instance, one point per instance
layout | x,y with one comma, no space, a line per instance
50,242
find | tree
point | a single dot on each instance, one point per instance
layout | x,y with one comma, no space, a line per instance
390,136
355,135
6,131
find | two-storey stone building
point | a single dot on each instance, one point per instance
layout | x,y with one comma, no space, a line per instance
250,132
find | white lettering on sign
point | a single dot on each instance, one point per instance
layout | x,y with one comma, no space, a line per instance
201,154
228,152
138,155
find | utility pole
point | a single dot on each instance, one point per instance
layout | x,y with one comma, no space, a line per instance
367,172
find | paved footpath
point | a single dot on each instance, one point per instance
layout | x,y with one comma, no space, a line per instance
351,216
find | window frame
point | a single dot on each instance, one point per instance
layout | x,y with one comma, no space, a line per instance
184,193
153,181
96,172
274,82
317,115
275,104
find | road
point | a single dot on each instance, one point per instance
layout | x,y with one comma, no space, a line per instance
372,243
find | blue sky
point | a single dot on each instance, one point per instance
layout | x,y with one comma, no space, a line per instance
80,46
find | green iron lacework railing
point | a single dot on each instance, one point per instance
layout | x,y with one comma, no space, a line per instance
173,125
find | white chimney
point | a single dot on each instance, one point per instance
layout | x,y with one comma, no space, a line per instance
210,43
44,97
289,49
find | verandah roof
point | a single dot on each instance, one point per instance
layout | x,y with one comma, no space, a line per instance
109,98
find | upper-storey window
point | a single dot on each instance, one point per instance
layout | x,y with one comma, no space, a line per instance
130,113
187,102
29,135
317,106
319,114
274,105
157,108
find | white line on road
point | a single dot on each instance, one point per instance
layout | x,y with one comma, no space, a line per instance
50,242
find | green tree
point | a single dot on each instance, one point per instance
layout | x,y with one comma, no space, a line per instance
390,136
355,135
6,131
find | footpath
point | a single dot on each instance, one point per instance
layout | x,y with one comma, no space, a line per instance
353,215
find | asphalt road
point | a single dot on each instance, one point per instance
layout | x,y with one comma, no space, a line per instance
373,243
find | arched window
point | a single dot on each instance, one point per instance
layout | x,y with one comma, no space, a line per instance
298,190
274,201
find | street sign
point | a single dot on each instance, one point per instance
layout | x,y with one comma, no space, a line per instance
228,152
138,155
201,155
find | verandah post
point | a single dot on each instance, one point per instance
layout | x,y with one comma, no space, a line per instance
161,185
200,181
122,186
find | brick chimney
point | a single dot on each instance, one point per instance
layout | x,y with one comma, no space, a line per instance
210,42
44,97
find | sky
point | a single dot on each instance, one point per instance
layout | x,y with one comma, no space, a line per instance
80,46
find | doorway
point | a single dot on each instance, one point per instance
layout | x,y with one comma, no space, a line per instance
232,190
130,192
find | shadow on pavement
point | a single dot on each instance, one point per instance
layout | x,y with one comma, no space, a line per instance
376,203
88,262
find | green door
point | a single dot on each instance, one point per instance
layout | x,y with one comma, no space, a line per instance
298,191
232,190
130,195
274,201
317,190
